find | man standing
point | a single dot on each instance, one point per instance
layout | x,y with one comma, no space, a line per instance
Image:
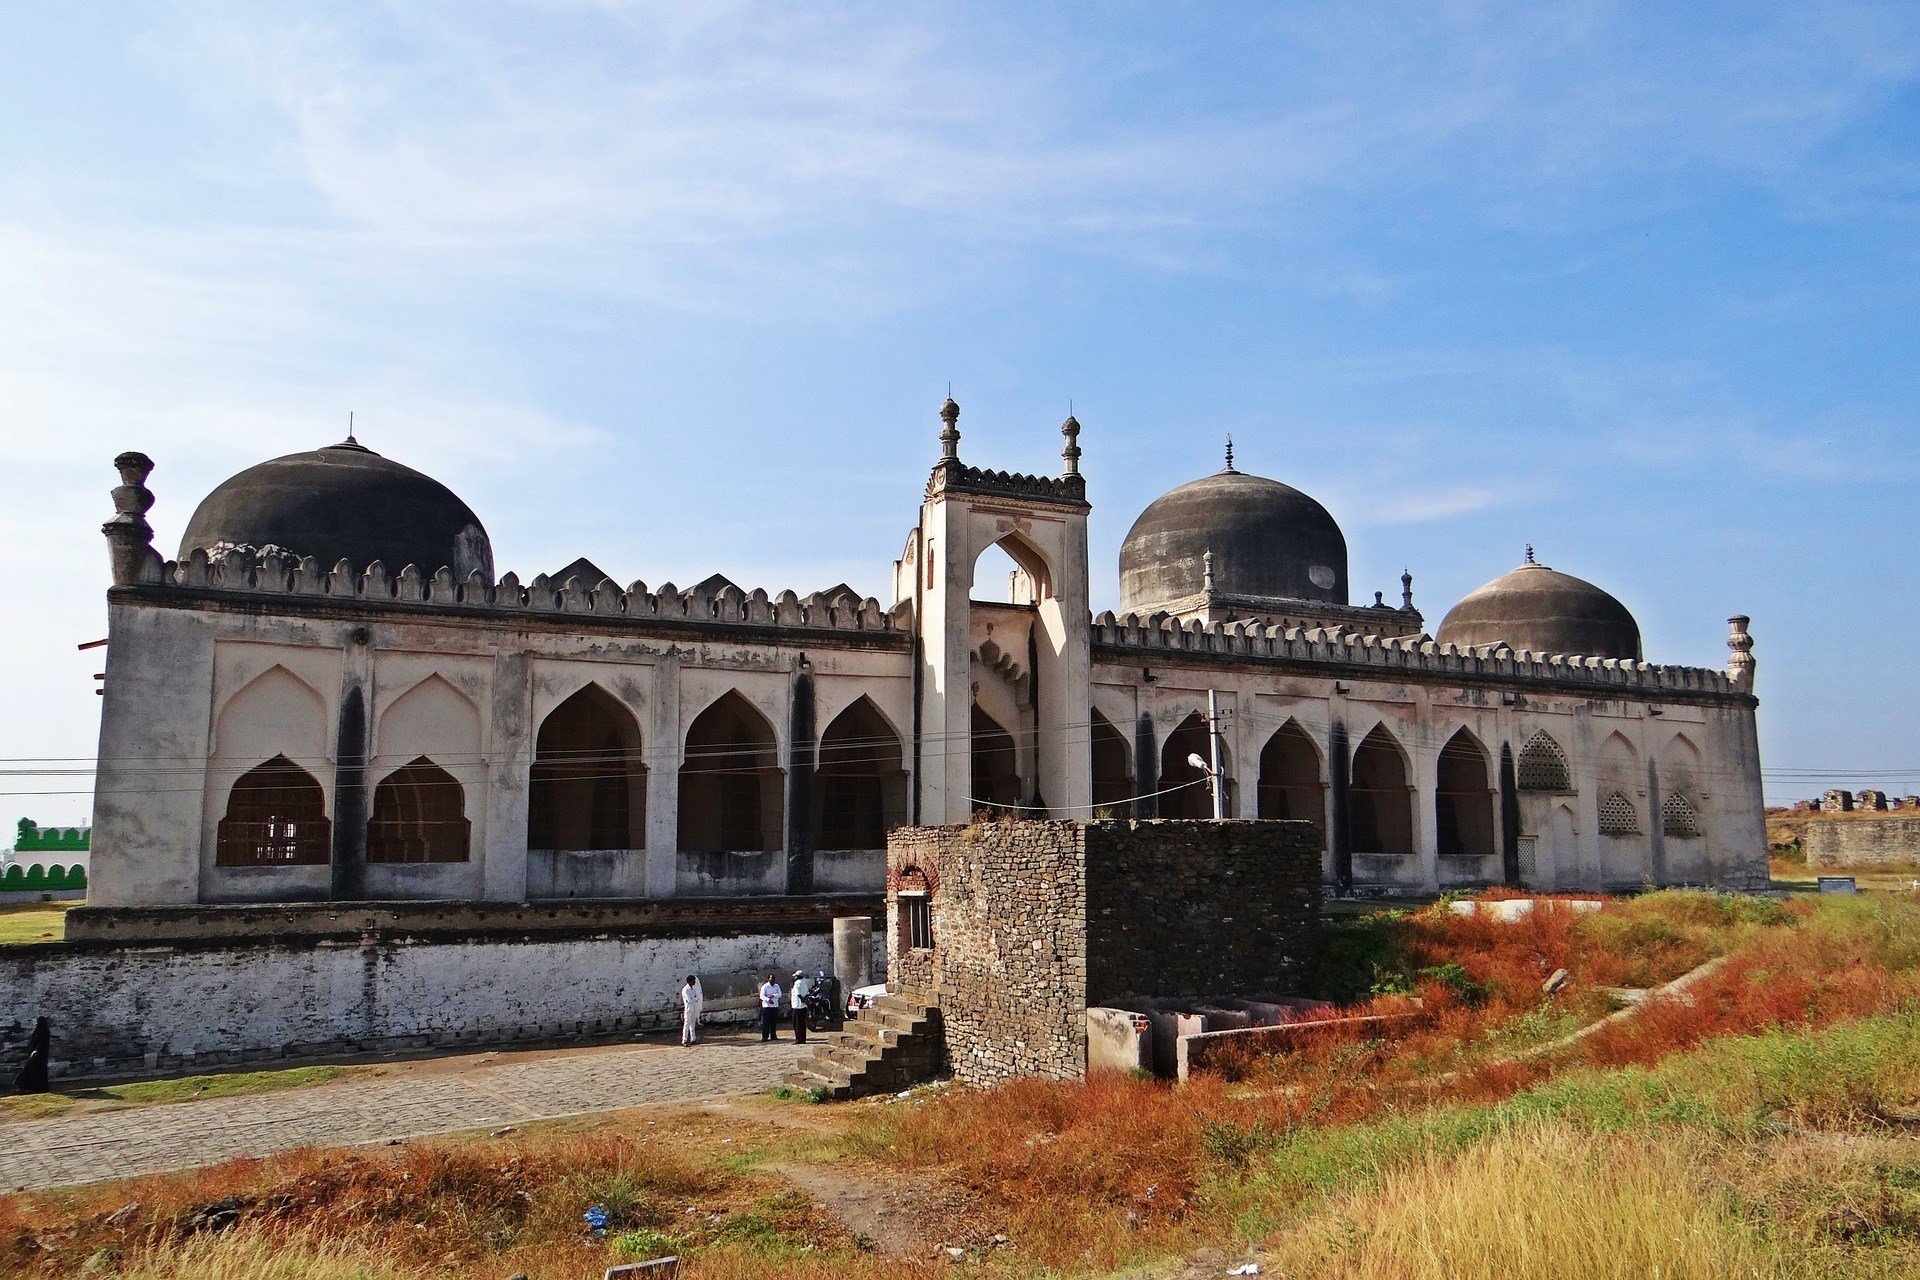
802,985
769,1010
692,1003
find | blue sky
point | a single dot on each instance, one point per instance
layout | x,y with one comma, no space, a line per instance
678,287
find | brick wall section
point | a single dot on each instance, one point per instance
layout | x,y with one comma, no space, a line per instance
1201,908
1030,919
1008,967
1862,841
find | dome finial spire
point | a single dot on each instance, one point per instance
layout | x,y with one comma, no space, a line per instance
1229,465
350,439
1530,559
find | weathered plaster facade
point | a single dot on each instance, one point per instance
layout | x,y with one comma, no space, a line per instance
278,729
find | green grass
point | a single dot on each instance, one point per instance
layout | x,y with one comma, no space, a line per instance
34,922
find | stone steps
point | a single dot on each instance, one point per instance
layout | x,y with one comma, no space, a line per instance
894,1042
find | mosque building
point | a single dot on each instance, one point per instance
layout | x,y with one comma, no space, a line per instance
330,696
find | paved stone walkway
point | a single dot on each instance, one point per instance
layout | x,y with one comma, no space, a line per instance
36,1154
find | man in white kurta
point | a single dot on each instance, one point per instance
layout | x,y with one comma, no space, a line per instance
692,1002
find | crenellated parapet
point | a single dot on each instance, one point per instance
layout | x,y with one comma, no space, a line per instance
957,477
1159,635
270,572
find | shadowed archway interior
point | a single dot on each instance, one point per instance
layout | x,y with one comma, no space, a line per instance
276,817
588,786
731,784
860,783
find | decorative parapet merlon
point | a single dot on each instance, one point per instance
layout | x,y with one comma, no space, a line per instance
954,476
277,573
1160,633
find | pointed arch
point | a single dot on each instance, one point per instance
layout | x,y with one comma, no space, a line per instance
1463,798
731,785
1290,777
419,815
1194,798
1543,765
275,713
1618,815
1380,795
587,788
433,718
1617,750
1033,581
276,817
1112,769
996,765
1679,820
860,784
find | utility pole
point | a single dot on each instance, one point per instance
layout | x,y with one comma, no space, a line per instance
1213,756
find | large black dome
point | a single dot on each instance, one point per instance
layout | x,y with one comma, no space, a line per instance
1536,609
344,502
1268,540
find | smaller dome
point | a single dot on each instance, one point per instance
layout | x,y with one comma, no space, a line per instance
1268,540
1543,611
343,502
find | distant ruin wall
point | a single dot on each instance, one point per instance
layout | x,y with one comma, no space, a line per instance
131,1009
1862,840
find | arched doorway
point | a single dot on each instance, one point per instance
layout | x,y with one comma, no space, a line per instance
1193,798
1112,770
996,766
860,784
731,781
588,785
1463,800
419,815
1290,785
276,817
1380,800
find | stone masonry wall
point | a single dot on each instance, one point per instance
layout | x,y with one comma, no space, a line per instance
1862,840
1034,921
1008,964
1179,909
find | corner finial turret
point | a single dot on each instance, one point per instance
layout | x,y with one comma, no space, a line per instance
949,432
1229,466
1206,571
1071,430
1740,662
129,536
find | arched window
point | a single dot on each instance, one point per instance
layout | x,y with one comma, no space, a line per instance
1618,816
731,784
860,785
588,785
1543,765
1194,797
1463,801
1290,785
419,815
1011,570
1379,800
996,768
1678,818
1112,770
276,817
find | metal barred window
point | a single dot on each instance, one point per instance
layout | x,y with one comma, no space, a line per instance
1543,765
919,921
1678,818
1617,816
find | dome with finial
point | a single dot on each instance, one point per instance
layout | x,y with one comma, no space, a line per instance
343,502
1269,542
1541,610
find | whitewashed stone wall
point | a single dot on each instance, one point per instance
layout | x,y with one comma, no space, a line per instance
132,1009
